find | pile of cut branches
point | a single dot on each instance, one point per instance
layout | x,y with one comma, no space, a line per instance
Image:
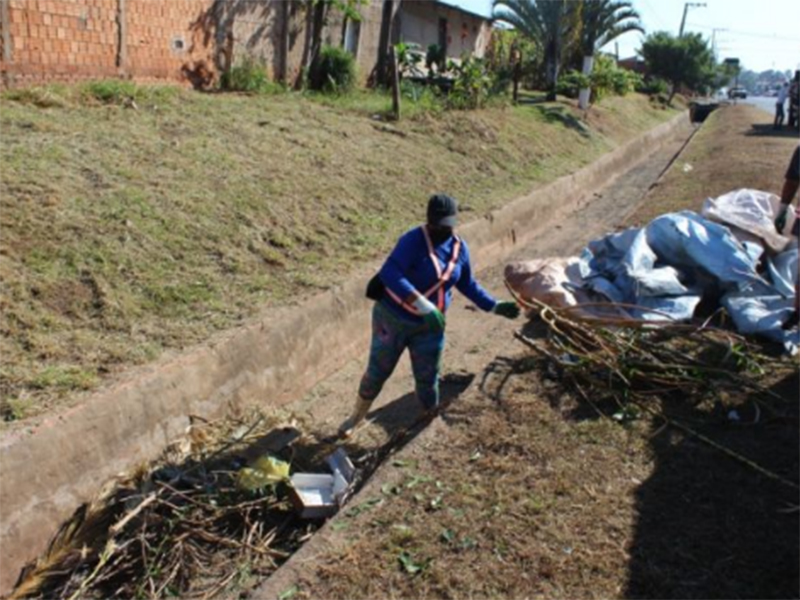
186,525
180,527
639,366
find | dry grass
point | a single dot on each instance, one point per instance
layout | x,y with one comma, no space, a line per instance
530,493
136,220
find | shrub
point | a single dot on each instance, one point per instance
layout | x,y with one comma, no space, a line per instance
606,79
334,71
423,97
408,57
570,83
109,91
472,85
653,86
435,57
248,76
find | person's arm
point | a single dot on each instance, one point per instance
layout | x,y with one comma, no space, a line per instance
468,286
393,272
790,185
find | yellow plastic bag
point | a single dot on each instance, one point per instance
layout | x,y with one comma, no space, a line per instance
264,471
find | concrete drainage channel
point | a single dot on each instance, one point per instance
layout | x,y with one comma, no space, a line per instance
280,357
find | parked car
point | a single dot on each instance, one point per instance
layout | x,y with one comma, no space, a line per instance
737,92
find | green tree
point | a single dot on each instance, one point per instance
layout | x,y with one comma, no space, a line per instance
602,21
549,22
686,61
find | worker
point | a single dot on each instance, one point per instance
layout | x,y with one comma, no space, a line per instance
412,292
791,183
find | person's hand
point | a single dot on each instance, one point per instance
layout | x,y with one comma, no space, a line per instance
431,315
780,221
434,320
507,309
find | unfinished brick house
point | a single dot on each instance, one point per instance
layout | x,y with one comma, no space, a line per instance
189,41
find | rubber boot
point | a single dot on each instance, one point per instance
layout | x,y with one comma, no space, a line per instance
360,411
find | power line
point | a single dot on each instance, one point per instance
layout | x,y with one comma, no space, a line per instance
748,33
655,14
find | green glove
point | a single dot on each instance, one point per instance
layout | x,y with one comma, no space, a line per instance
780,222
507,309
431,315
434,320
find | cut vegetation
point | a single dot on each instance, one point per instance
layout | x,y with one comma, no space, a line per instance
136,220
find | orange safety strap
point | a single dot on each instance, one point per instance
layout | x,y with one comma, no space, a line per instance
443,278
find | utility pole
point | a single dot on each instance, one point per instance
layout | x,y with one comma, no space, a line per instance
714,40
685,10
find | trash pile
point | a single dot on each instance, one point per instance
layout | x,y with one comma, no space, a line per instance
678,267
639,324
220,506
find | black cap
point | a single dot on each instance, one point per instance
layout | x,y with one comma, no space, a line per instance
442,210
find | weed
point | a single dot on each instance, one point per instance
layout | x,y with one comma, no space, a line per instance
63,378
334,71
41,97
127,93
249,76
15,409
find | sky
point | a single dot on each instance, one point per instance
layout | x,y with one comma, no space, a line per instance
762,34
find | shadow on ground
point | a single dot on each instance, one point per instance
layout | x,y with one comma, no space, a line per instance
406,413
711,527
706,525
560,114
767,130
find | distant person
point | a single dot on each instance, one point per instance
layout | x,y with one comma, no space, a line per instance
412,292
783,93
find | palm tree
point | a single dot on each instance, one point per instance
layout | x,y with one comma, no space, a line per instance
601,22
547,22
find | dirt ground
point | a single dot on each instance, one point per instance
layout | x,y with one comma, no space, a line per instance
519,491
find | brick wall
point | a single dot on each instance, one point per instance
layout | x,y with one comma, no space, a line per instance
168,39
187,41
60,40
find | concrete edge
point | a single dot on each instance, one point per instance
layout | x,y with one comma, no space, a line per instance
272,361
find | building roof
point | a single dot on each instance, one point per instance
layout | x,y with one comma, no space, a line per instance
459,9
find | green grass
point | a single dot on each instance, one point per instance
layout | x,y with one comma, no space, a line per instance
127,231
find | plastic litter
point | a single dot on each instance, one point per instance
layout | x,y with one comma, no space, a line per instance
320,495
264,471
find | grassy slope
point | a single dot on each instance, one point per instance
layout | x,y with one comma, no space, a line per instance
129,231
